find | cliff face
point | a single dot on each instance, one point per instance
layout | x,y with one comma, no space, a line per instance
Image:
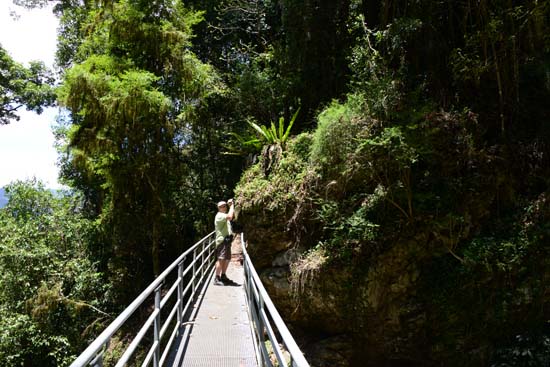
385,246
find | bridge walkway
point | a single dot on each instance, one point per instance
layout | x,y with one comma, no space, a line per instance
218,333
195,323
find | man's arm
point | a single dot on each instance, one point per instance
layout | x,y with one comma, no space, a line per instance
231,213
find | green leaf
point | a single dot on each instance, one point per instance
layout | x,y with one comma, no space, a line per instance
291,123
274,132
259,129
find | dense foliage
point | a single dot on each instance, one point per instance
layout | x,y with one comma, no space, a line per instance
423,186
51,293
413,195
20,86
135,141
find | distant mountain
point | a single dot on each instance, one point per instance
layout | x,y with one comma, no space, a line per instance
3,198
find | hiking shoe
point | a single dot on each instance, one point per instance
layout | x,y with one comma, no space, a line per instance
218,281
227,281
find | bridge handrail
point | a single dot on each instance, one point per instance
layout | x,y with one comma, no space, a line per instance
258,301
94,349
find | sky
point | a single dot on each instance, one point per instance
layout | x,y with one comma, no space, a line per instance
26,146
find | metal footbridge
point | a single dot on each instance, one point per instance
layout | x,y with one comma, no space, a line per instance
190,322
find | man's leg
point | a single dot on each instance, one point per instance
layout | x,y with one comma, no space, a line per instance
225,262
219,271
224,266
224,278
219,266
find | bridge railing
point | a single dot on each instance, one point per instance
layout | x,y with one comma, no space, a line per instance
199,269
267,324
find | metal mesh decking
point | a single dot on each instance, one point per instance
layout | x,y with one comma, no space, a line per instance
220,335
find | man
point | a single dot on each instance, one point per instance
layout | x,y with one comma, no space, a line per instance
223,241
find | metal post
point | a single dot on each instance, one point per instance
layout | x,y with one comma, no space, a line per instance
210,251
156,329
247,280
261,327
180,292
194,270
202,260
98,360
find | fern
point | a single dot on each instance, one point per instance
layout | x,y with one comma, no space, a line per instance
274,135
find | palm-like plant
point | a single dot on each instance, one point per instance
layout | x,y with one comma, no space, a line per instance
273,135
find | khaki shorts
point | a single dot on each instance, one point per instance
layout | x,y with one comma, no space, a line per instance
223,250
